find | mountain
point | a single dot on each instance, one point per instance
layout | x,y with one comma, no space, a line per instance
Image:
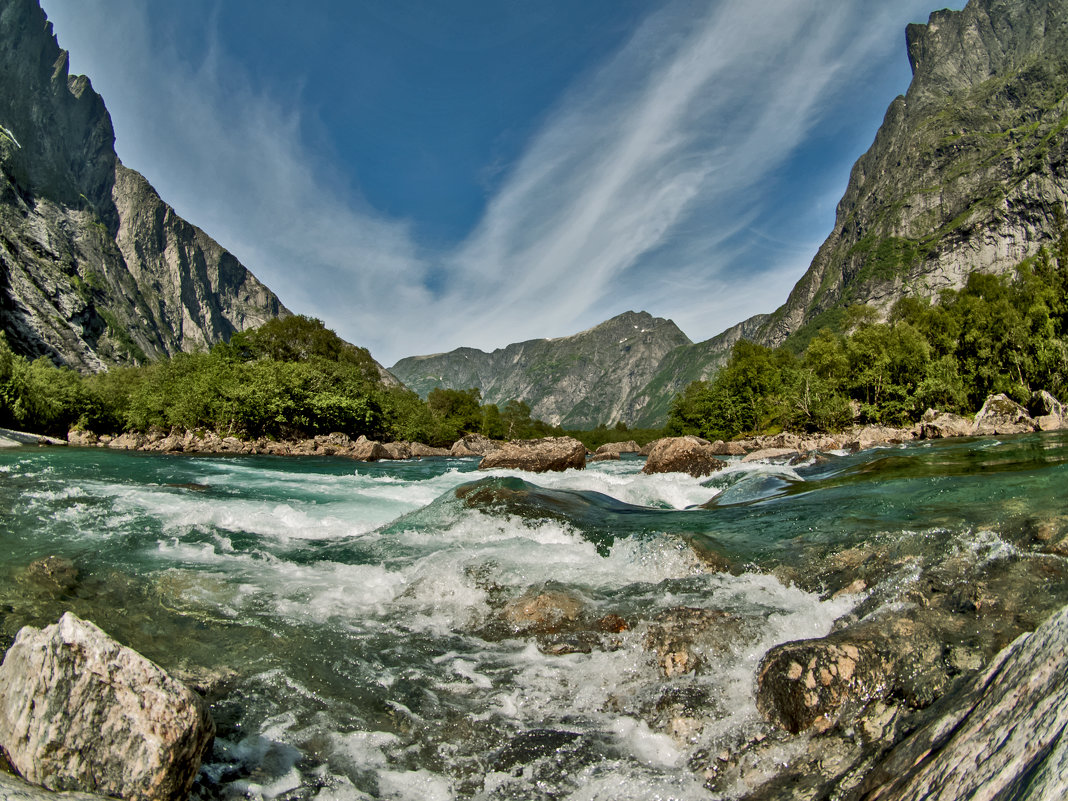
597,376
95,269
968,172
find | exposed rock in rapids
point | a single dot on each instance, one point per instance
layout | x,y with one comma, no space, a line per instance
823,682
682,636
1002,415
767,454
368,450
691,455
537,455
542,611
721,448
79,711
605,457
421,451
398,450
870,436
630,446
940,425
13,788
473,445
1042,403
1001,736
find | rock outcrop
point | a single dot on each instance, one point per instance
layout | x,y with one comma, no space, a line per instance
1002,415
79,711
537,455
691,455
1001,736
95,269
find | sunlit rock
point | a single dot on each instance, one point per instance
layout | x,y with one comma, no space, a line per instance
691,455
537,455
79,711
1002,415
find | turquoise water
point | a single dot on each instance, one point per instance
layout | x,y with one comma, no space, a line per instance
350,619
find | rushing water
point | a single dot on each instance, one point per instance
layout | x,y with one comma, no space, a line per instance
348,619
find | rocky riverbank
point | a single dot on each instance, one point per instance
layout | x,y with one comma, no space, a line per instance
999,416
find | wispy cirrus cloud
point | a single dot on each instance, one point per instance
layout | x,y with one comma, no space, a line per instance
637,191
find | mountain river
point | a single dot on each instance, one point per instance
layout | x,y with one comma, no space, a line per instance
365,630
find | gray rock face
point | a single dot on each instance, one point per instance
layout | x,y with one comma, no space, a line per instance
691,455
968,172
1002,737
1002,415
597,376
95,269
550,454
78,711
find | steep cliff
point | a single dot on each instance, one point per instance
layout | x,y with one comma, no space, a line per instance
95,269
601,375
968,172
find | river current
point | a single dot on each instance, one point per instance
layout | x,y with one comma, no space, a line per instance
350,621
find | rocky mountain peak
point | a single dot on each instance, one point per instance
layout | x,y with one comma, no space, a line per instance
57,140
959,50
95,268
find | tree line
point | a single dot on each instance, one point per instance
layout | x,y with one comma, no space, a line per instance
996,334
291,378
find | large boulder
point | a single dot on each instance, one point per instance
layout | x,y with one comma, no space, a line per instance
79,711
537,455
1047,411
542,611
691,455
630,446
940,425
1002,415
1001,736
368,450
421,451
473,445
822,682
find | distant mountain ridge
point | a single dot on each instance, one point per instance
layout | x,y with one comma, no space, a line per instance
968,172
95,269
597,376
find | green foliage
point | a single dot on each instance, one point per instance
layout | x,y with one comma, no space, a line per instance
995,335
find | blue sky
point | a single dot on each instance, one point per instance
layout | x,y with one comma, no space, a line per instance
426,175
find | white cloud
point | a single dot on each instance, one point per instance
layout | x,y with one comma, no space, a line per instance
632,194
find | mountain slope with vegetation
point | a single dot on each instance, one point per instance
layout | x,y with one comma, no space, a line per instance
601,375
95,269
967,174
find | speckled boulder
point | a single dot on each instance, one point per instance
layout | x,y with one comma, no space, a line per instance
79,711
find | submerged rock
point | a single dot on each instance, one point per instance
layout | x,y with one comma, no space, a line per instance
691,455
79,711
682,635
537,455
53,572
544,611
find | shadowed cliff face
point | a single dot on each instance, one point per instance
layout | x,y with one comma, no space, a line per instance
95,269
